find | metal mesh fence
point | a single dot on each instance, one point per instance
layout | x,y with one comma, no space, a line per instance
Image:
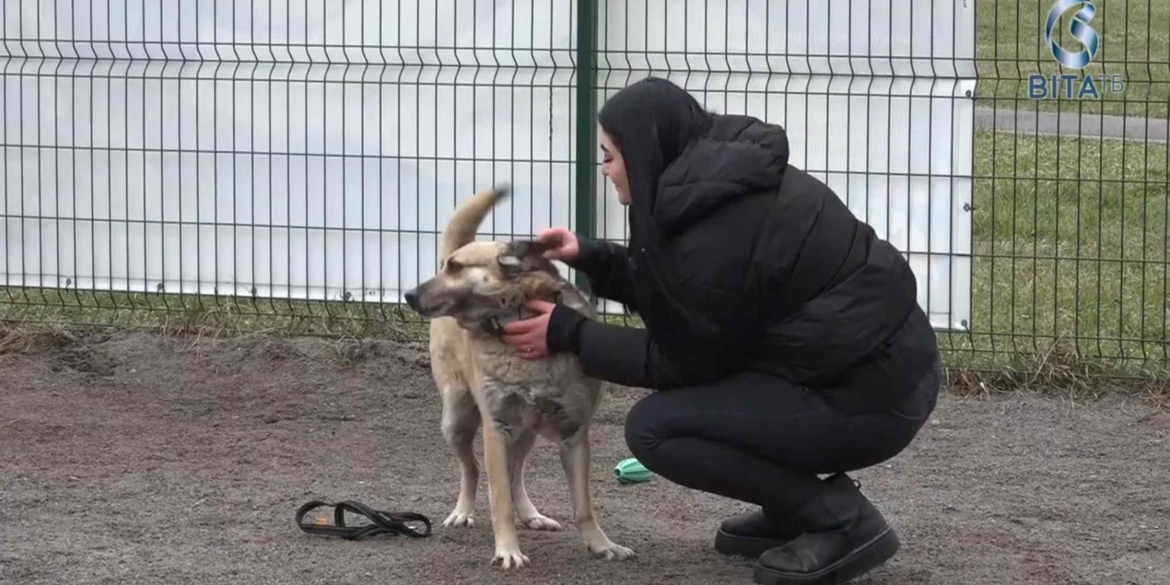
1070,225
270,158
295,160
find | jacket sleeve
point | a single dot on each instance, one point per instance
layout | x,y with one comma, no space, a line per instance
629,356
607,266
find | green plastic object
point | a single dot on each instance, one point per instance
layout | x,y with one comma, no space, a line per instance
631,471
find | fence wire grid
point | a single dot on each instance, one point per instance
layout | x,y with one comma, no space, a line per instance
291,163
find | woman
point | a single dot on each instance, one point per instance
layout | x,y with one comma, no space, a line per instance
784,338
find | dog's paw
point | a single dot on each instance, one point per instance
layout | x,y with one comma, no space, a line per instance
612,552
458,518
509,558
540,522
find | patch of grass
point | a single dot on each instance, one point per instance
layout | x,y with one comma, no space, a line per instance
1135,44
1070,242
207,315
1058,370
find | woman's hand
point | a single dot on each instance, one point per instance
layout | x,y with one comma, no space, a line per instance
562,244
530,336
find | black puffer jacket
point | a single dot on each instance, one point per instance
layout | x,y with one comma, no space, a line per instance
745,262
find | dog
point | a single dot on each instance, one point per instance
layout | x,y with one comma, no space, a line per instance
478,287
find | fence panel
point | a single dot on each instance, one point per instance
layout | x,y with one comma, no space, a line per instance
876,99
1070,223
307,150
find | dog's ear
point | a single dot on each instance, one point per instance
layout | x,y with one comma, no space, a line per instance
527,248
523,256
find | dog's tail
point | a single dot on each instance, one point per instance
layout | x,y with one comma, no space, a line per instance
465,222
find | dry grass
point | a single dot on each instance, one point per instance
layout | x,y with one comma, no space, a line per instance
1061,372
206,316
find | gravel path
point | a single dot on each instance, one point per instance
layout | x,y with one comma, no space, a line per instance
133,458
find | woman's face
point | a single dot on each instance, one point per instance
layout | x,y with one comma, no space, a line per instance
613,167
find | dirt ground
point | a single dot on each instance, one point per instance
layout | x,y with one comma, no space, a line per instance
135,458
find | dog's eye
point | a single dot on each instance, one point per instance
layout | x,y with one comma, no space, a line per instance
453,266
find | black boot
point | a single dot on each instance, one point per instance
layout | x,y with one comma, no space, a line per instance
850,539
751,533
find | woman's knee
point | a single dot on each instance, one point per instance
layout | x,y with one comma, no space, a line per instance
643,426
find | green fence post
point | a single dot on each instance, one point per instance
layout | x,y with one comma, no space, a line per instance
586,77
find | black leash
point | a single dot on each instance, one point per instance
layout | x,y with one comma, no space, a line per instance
383,522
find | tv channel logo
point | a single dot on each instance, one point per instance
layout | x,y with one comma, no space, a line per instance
1083,86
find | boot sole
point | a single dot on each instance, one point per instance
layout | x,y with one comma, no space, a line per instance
861,561
745,546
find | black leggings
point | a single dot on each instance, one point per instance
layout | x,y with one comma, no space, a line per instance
762,440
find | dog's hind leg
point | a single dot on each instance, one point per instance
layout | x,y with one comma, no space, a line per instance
575,458
461,419
517,455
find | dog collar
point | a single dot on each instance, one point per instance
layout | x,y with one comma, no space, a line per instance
495,324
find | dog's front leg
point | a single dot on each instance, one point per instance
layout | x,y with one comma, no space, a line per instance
575,458
495,454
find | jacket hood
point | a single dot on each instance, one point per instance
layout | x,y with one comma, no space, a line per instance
737,155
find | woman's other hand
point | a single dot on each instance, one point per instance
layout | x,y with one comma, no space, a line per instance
561,244
529,337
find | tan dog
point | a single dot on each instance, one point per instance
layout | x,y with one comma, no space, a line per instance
480,285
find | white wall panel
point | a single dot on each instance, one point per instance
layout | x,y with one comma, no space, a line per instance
313,150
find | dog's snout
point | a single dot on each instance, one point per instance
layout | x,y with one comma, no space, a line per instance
412,298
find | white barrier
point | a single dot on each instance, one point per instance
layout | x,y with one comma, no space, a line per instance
312,150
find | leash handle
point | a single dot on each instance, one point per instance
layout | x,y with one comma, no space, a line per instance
383,522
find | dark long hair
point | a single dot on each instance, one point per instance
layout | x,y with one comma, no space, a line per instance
651,122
